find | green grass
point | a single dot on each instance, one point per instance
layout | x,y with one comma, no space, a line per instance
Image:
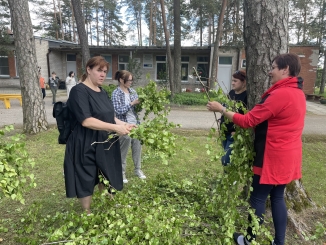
47,207
317,92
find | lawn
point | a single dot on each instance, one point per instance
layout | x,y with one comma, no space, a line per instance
173,206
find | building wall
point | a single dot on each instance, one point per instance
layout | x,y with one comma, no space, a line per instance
42,47
58,64
309,60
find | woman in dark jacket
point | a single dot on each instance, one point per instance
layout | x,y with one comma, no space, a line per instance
238,93
278,120
93,114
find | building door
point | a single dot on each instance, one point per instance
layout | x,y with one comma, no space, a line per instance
224,77
71,64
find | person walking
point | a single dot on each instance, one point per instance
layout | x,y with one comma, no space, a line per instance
124,99
278,120
93,115
238,93
70,82
42,84
54,84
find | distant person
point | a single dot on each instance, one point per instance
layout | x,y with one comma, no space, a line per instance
42,84
94,118
124,99
70,82
54,84
278,121
238,93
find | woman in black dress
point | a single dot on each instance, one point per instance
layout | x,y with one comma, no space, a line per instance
93,116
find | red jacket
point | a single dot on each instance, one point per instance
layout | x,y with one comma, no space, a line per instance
279,121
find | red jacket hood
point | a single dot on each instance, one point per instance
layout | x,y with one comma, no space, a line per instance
294,82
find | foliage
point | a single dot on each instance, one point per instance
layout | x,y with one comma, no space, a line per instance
192,98
109,89
187,194
134,67
15,176
155,132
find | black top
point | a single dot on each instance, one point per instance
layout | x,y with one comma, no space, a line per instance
237,97
84,162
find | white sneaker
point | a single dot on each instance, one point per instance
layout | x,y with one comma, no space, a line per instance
124,179
140,174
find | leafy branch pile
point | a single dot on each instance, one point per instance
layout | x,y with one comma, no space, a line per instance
15,177
155,130
232,189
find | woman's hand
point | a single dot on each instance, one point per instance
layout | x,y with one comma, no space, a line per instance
214,106
123,129
135,102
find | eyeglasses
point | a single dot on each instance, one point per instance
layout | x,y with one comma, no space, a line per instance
240,73
129,80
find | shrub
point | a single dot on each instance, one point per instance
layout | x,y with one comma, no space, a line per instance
109,89
191,98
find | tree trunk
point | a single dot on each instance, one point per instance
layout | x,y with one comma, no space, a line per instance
55,20
168,50
323,78
150,42
79,17
219,32
60,18
154,23
140,30
177,46
34,116
73,23
97,26
265,38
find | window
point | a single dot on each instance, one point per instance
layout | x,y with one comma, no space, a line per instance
4,66
243,64
161,71
108,58
203,71
202,59
184,68
202,67
225,60
123,62
184,72
184,58
71,57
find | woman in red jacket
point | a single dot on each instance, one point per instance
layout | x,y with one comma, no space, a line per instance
278,120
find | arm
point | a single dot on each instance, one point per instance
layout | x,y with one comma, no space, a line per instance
96,124
254,117
217,107
119,103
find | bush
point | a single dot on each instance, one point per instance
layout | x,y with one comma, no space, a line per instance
109,88
192,98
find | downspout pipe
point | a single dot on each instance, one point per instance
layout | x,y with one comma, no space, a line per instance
48,62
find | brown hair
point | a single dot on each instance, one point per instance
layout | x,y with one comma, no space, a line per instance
123,74
241,75
288,60
95,61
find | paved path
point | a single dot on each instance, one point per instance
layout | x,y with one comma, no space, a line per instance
315,120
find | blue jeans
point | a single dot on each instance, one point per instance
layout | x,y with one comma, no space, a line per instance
226,145
258,199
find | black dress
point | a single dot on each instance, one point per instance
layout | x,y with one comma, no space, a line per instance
83,162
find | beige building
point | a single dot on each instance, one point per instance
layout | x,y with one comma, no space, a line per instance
63,57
